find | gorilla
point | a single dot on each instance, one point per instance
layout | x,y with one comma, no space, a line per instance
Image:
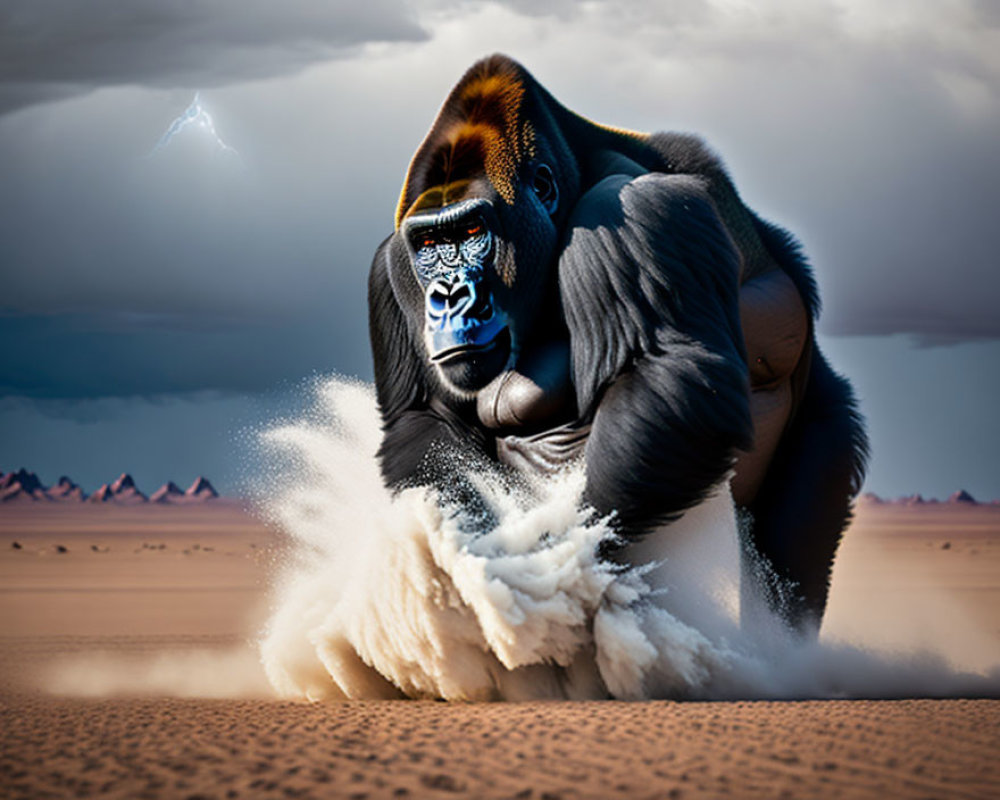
557,289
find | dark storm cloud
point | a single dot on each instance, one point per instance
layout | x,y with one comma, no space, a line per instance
869,132
52,47
899,227
189,269
61,357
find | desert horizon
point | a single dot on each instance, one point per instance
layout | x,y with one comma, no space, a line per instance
130,668
22,485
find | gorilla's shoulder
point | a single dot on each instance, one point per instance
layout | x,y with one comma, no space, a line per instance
686,153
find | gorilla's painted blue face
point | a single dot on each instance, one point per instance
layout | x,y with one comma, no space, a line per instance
453,250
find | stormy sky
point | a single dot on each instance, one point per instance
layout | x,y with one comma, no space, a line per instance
156,301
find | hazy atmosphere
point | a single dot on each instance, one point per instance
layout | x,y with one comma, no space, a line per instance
175,268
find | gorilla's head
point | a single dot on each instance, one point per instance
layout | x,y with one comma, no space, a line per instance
478,223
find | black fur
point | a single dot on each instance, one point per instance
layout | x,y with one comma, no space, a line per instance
649,288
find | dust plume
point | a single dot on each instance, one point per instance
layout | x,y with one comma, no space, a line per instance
389,596
207,673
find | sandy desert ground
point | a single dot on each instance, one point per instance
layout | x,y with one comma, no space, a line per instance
127,669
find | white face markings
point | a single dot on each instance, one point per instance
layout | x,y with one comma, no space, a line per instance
477,246
438,259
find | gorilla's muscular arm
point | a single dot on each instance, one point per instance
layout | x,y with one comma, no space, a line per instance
649,279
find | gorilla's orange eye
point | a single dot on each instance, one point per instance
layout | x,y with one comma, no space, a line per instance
474,230
427,241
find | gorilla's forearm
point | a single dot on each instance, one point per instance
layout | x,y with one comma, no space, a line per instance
666,433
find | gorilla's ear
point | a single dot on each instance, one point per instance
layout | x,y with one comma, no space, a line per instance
649,283
400,383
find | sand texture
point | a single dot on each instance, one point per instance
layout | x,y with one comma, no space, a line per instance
128,669
212,748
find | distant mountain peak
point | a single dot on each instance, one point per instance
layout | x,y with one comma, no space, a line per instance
124,482
870,498
102,495
962,496
65,489
28,480
21,485
166,493
201,488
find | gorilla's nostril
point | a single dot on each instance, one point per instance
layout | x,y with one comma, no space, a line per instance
481,309
438,300
460,295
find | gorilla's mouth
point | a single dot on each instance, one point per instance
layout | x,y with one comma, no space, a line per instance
450,350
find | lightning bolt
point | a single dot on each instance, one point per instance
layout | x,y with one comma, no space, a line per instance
195,114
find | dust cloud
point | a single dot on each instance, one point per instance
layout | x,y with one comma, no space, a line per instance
389,596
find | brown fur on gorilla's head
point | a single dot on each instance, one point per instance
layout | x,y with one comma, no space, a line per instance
484,134
479,133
